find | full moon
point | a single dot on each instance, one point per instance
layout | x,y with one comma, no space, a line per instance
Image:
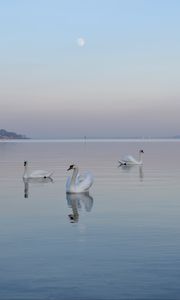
81,42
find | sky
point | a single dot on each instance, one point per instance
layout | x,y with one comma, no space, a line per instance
121,79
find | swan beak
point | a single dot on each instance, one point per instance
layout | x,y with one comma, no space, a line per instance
70,167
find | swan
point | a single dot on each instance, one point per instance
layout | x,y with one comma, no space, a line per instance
35,174
130,160
78,183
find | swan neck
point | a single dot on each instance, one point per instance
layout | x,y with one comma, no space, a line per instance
74,175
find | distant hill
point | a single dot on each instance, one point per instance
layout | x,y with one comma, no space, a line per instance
4,134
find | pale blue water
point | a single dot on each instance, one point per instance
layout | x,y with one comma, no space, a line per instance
124,243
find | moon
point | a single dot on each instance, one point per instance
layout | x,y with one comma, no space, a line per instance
81,42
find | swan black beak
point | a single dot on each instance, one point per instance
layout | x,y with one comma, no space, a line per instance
70,167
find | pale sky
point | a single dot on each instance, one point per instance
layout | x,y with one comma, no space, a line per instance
120,80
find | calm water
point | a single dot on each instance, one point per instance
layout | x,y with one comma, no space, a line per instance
124,243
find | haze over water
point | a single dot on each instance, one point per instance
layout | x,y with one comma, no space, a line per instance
124,243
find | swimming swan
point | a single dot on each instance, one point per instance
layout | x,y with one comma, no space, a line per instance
35,174
78,183
129,160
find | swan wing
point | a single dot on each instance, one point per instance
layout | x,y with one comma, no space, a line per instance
80,178
40,173
84,182
37,180
129,158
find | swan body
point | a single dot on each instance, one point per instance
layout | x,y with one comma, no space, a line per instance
130,160
35,174
78,183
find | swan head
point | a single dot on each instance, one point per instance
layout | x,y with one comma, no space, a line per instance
141,151
72,167
25,163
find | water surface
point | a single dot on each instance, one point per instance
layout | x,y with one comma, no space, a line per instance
123,240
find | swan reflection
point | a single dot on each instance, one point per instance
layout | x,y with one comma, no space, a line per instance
76,202
129,168
27,181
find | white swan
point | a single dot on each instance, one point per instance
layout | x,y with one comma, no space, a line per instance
35,174
129,160
78,183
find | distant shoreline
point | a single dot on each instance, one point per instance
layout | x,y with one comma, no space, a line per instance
10,135
87,140
9,138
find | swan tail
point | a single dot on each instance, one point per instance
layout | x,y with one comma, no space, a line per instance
122,163
48,175
51,173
